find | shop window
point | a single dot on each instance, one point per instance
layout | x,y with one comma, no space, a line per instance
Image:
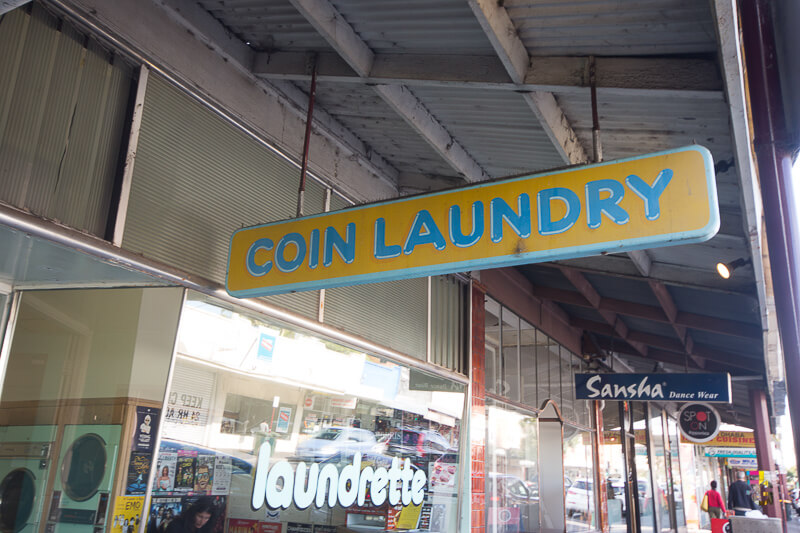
299,430
512,470
676,469
82,367
511,367
527,359
662,488
615,471
492,332
645,490
580,495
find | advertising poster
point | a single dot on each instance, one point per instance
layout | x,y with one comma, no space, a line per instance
162,512
184,476
409,517
127,514
284,415
297,527
138,472
222,476
204,472
425,517
237,525
165,472
144,435
266,347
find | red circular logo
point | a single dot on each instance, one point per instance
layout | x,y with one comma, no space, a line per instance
702,416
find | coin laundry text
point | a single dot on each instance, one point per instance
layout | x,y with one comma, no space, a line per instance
602,198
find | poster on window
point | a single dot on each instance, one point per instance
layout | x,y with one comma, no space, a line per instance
203,474
144,435
222,476
165,472
138,473
184,477
284,416
127,514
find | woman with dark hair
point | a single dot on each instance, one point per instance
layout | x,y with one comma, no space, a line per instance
716,507
197,518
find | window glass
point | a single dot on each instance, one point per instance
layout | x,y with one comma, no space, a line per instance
677,479
82,366
527,356
512,480
614,458
511,368
546,389
567,405
492,340
271,426
579,490
663,499
645,489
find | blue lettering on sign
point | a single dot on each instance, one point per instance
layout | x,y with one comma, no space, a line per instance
424,231
596,206
458,238
602,198
382,250
520,221
548,226
650,195
346,248
254,268
290,265
313,250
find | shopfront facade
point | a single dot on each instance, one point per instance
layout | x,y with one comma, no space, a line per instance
135,392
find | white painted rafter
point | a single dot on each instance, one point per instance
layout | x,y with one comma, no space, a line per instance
343,38
499,28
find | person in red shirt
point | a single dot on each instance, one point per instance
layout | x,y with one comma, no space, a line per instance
716,507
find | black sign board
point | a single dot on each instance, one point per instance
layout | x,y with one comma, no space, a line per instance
699,422
654,387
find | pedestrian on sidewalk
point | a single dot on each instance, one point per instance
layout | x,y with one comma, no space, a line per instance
713,499
740,496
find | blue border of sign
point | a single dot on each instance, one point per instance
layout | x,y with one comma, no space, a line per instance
569,252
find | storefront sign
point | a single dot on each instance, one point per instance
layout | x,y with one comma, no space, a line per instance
654,387
661,199
699,422
737,439
742,463
717,451
280,485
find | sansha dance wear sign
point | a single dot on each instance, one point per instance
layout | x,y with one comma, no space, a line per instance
656,200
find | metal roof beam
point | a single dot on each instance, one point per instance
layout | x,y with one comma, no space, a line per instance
488,72
617,325
344,39
671,311
552,74
500,30
656,314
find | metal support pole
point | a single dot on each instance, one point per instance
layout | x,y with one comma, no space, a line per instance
301,192
758,403
774,162
596,145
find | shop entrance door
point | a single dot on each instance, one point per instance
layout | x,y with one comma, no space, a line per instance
551,470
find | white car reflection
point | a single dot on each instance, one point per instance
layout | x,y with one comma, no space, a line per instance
337,440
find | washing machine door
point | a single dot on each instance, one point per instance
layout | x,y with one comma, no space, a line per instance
17,499
84,467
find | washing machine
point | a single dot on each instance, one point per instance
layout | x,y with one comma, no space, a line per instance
25,462
84,477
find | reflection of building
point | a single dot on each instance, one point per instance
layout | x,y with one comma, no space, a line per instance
134,142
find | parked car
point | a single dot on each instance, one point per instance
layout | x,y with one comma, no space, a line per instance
580,497
421,445
336,440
